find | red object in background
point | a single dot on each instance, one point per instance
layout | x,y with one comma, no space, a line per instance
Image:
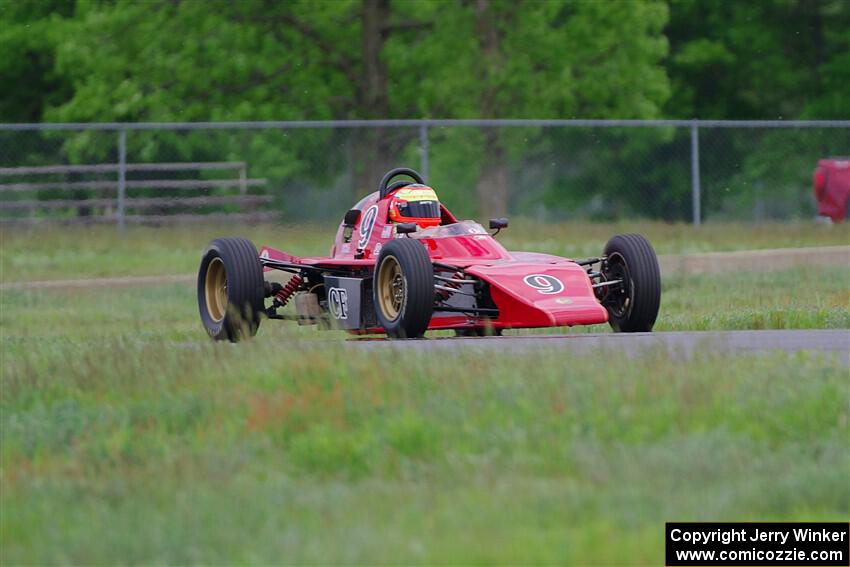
831,182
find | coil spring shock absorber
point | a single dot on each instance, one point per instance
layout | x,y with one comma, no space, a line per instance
445,294
283,296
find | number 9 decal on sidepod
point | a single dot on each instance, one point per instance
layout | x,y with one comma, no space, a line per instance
547,285
366,226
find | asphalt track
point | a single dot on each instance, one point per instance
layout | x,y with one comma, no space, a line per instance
677,344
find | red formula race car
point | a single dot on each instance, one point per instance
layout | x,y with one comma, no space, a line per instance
402,264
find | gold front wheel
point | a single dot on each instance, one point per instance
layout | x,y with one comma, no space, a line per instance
391,287
403,288
215,289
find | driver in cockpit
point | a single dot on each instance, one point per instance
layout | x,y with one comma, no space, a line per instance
415,203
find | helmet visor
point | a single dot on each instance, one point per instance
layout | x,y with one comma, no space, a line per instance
419,209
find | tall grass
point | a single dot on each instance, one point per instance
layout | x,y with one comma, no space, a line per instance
143,451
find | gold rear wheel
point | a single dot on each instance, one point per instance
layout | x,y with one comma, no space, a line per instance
231,289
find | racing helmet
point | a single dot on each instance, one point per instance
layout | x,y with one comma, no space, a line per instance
415,203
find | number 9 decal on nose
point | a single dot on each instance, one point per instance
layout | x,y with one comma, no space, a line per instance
547,285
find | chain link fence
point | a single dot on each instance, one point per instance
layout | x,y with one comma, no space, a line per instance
550,170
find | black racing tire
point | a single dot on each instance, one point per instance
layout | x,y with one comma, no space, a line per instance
403,288
632,307
231,289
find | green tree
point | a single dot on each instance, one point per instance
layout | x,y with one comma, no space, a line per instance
173,60
188,61
777,59
505,59
28,39
224,61
216,61
29,34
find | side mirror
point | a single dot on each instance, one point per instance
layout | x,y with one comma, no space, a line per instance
351,217
406,227
348,221
498,224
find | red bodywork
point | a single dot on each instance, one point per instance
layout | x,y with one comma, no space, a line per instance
471,248
832,188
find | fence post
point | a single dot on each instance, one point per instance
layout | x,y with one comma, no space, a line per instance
243,185
695,188
423,151
243,180
122,176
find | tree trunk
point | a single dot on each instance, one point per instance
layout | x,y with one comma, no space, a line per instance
492,186
371,159
372,149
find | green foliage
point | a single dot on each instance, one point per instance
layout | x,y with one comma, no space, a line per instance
189,61
746,60
30,33
554,60
184,61
531,60
253,60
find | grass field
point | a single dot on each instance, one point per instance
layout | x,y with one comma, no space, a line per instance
127,437
133,449
797,299
75,252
